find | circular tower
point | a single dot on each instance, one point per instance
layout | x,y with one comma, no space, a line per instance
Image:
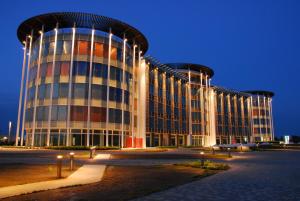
78,72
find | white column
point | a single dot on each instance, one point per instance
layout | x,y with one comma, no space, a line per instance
271,118
133,93
207,110
26,87
212,118
90,90
250,106
139,120
142,102
36,88
21,91
68,143
189,137
265,117
51,90
107,87
123,90
260,134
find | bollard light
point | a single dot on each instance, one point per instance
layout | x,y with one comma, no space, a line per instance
92,152
72,161
59,159
202,158
229,153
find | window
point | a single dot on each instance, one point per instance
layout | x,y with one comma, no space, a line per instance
43,70
113,53
55,90
67,47
99,70
80,91
82,47
49,70
41,91
54,113
65,68
98,49
98,114
115,94
98,92
80,68
61,113
116,74
63,90
59,47
78,113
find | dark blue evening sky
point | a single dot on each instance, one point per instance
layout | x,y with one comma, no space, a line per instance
249,44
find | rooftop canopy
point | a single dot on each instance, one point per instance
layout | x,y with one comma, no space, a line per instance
191,66
49,21
260,92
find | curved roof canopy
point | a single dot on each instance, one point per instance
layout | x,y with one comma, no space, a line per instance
261,92
81,20
195,67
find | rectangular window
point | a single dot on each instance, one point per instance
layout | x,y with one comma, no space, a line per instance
62,113
80,68
78,113
67,47
98,49
80,91
82,47
98,114
49,70
65,68
63,90
113,53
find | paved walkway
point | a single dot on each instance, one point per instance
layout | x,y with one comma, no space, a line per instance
264,176
85,175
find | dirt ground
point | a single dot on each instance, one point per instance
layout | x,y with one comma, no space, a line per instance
17,173
122,183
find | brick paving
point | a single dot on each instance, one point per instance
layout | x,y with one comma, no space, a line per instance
263,176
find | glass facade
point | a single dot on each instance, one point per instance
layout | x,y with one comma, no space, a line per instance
90,85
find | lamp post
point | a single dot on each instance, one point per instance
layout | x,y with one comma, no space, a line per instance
72,161
9,130
59,159
202,158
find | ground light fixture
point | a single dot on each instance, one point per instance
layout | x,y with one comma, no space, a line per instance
202,158
59,159
72,160
229,153
92,151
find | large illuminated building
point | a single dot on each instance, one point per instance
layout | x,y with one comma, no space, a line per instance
85,81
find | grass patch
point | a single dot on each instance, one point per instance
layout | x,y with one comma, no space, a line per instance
208,165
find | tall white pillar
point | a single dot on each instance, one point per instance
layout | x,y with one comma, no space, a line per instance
123,90
51,90
189,137
70,89
36,88
259,118
26,88
271,116
21,91
90,90
133,94
107,87
142,102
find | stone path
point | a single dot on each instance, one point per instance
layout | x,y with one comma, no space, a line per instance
264,176
85,175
